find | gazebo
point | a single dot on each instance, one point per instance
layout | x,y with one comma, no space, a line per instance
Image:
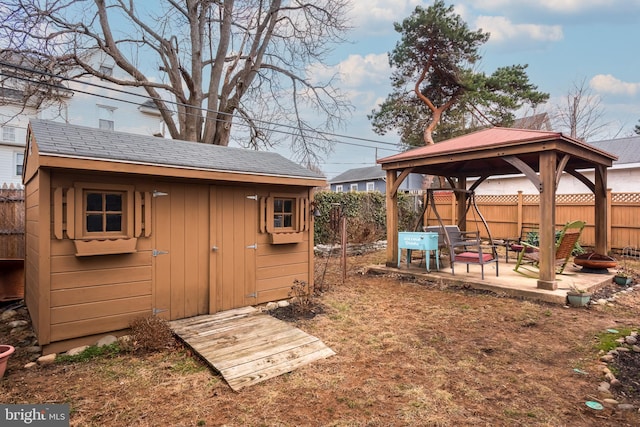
540,155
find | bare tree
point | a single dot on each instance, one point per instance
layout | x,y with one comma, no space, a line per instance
580,113
219,62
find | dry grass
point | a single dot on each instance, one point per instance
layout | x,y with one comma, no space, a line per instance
407,354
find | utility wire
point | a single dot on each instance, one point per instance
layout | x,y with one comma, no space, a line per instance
176,103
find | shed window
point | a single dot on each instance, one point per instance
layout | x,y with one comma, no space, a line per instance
283,213
104,212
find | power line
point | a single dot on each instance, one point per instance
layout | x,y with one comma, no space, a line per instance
176,103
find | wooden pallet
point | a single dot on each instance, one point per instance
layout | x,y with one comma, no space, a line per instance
247,346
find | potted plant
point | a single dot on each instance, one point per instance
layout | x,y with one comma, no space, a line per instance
5,352
578,297
624,275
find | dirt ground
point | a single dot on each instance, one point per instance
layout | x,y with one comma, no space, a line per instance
408,353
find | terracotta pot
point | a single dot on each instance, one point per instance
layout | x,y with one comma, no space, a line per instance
5,352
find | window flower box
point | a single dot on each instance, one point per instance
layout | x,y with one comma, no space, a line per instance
105,246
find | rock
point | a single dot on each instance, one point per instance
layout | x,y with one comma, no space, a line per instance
610,377
626,407
607,358
33,349
601,301
606,370
620,340
631,340
615,382
283,303
636,348
8,314
272,305
30,365
47,360
610,401
21,323
107,340
606,394
125,339
77,350
604,386
622,349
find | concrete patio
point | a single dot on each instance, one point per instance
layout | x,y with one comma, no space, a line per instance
507,282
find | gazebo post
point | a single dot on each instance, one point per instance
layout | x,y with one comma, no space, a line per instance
392,219
601,213
462,202
547,278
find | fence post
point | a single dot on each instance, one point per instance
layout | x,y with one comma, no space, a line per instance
609,228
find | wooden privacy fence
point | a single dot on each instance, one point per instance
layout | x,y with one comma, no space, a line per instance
11,223
505,215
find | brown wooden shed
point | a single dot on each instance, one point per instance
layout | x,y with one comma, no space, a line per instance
542,156
120,226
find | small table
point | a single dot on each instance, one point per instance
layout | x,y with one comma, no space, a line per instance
418,241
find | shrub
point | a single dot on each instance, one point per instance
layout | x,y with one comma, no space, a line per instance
150,333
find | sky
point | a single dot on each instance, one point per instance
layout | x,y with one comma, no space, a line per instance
563,42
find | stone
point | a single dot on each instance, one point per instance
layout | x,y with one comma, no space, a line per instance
17,323
283,303
620,340
636,348
33,349
615,382
607,358
604,386
602,301
272,305
107,340
610,401
626,407
77,350
609,377
631,340
47,360
8,314
606,370
125,339
622,349
30,365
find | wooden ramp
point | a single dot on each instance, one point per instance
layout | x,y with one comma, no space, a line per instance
247,346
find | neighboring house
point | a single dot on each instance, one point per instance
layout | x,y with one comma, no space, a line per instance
121,226
81,103
371,178
535,122
622,177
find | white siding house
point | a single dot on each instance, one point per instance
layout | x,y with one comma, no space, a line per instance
622,177
85,104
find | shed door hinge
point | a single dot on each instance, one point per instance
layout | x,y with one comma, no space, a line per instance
254,246
157,311
157,193
253,295
253,197
156,252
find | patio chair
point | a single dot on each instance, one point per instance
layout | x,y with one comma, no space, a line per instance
465,247
566,240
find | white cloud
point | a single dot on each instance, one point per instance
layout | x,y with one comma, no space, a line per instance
559,6
378,16
606,83
355,71
503,30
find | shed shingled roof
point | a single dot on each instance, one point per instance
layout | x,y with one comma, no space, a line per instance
72,141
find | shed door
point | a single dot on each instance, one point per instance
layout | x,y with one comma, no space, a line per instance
234,215
181,244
